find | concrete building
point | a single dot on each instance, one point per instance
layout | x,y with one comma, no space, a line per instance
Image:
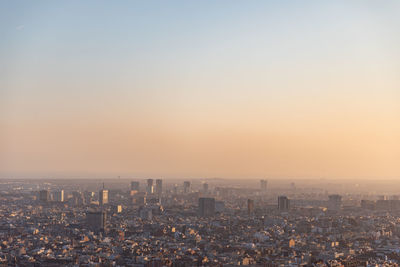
250,206
159,187
59,196
283,203
78,198
206,207
150,187
96,220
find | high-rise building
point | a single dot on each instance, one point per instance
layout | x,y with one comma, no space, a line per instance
59,196
334,202
96,220
117,208
283,203
149,188
250,206
186,187
103,196
263,185
135,185
44,195
78,198
159,187
206,207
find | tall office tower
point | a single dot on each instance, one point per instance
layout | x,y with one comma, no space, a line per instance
103,197
96,220
206,207
250,206
186,187
44,195
205,188
59,196
283,203
335,202
116,209
78,198
159,187
135,185
149,188
263,185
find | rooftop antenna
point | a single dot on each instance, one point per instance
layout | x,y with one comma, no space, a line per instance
103,185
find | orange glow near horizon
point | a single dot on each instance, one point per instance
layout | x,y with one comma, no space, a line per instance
253,91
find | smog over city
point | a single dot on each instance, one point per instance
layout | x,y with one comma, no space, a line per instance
199,133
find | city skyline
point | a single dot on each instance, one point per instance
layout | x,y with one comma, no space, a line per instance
200,89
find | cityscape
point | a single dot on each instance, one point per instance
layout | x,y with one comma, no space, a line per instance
212,222
208,133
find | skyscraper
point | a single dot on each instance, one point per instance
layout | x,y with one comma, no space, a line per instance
78,198
250,206
206,207
159,187
103,196
135,185
149,188
283,203
96,220
59,196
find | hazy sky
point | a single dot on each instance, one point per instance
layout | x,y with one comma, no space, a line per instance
200,89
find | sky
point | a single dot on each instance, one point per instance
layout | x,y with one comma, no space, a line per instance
200,89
